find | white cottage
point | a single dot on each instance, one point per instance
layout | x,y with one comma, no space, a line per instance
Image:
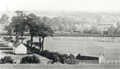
19,48
101,59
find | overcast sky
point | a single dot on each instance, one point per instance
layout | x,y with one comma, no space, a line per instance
61,5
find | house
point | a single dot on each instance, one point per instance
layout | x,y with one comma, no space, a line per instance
101,59
19,48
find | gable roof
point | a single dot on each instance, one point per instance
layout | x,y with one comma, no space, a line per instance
17,44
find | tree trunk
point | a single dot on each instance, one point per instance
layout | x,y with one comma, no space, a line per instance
39,43
31,40
42,44
22,37
17,38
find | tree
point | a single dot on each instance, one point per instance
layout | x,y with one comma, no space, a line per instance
94,30
117,30
35,25
32,22
38,27
6,59
111,30
18,23
9,29
4,18
30,59
43,31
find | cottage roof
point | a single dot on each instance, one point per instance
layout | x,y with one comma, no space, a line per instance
17,44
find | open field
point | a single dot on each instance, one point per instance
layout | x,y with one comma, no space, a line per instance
95,46
49,66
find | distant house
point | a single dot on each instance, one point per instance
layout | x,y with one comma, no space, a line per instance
105,27
101,59
19,48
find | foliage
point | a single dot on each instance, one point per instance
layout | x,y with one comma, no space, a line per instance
71,59
30,59
36,26
8,38
117,30
9,29
112,30
6,59
18,25
56,57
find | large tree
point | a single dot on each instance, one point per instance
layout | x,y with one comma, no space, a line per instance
33,24
18,23
43,30
39,27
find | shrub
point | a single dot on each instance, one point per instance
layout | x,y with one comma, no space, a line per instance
55,58
71,59
6,59
71,56
63,58
30,59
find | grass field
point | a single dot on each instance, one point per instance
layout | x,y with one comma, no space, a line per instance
83,45
49,66
94,46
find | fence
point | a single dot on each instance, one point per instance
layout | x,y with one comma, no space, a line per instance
89,61
112,62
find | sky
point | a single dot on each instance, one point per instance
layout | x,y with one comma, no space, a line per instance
61,5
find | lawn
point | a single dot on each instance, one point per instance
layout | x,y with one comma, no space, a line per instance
95,46
65,66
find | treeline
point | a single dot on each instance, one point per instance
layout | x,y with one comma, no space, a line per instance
63,25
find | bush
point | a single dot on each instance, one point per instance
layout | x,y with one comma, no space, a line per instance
6,59
55,57
71,59
63,58
8,38
30,59
71,56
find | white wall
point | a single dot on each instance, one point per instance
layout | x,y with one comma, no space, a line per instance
21,49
